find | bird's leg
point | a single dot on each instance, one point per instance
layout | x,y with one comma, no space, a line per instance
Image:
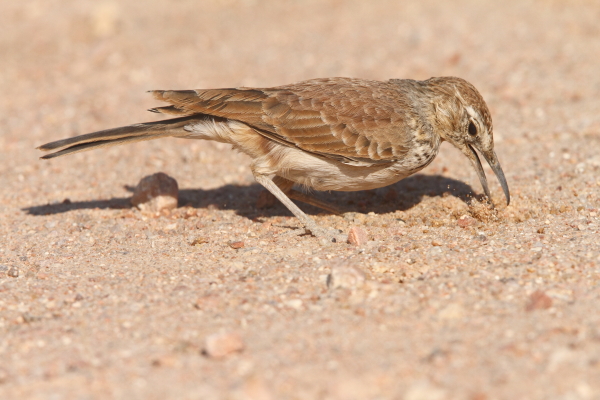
286,187
308,223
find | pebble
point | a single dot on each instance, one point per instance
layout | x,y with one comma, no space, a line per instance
155,193
199,240
538,300
219,345
294,303
466,221
237,244
13,272
345,276
357,236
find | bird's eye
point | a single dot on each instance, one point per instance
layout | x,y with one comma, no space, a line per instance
472,129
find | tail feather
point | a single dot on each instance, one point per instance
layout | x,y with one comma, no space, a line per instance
116,136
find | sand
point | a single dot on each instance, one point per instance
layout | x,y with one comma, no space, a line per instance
220,299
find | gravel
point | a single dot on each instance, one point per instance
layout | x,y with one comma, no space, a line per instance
113,302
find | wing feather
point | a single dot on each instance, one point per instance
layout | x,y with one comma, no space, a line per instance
350,120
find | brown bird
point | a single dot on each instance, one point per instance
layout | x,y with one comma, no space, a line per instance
328,134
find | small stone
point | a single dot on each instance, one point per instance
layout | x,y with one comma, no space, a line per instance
435,243
345,276
294,303
199,240
219,345
538,300
155,193
466,221
357,236
541,230
237,244
13,272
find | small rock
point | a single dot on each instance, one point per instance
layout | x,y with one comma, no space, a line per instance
219,345
13,272
345,276
466,221
538,300
357,236
294,303
199,240
237,244
156,193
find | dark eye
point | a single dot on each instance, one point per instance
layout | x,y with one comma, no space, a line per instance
472,129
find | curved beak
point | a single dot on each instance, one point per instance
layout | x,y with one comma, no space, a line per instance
492,160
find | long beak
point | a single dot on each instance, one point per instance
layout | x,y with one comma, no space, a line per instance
494,164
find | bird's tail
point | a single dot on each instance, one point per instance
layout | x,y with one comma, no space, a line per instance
115,136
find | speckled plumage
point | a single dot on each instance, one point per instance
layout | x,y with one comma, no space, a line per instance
329,134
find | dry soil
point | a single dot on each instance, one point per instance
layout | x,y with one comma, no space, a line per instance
446,300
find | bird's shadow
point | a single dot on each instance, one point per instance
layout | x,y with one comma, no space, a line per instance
401,196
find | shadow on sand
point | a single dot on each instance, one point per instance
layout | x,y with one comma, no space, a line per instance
399,196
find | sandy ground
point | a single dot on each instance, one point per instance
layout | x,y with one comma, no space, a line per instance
98,300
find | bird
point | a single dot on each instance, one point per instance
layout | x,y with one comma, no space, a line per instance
326,134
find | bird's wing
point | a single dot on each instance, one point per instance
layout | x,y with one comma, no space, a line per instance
350,120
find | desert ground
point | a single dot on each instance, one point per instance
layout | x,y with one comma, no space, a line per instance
446,299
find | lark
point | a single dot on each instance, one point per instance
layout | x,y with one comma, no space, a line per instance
326,134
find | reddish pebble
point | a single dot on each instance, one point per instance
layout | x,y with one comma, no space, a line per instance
219,345
236,245
538,300
357,236
155,193
465,221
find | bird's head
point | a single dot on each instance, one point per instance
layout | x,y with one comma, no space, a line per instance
464,120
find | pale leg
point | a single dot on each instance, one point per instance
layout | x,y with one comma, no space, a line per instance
286,187
308,223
